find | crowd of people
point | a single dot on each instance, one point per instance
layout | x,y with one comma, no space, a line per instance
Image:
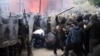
79,33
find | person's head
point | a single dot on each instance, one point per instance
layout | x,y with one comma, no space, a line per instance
20,21
49,18
87,16
74,23
38,27
73,16
94,18
79,18
53,29
63,20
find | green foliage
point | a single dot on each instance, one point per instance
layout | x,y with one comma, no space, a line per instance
79,1
95,2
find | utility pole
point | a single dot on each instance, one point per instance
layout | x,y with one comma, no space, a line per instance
40,7
0,11
0,7
20,5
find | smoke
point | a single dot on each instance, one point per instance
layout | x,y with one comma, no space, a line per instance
33,5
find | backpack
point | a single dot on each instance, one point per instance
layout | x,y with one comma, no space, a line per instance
50,38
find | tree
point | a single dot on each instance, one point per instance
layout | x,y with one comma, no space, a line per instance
95,2
79,1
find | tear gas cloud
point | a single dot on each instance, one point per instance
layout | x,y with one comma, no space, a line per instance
33,5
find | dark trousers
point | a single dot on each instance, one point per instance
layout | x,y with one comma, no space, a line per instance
77,48
25,44
28,48
56,46
86,47
9,51
39,40
4,51
93,43
13,50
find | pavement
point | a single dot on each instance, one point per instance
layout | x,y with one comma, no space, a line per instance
42,52
45,52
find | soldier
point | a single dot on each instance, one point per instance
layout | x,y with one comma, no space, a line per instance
62,32
93,29
36,22
23,34
8,40
48,24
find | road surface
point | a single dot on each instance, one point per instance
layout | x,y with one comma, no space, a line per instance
45,52
42,52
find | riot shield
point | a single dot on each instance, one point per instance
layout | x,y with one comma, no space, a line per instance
8,31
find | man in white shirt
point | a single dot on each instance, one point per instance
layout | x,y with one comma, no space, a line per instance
39,31
38,36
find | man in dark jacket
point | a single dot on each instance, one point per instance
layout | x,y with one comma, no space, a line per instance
48,24
93,29
74,40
